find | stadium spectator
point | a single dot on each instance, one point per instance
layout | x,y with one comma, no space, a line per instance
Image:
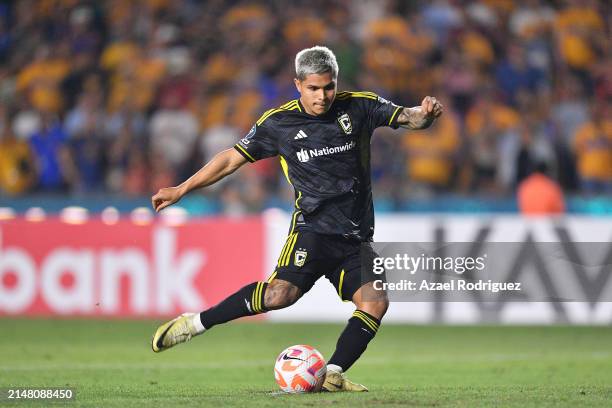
593,148
188,68
86,117
514,74
431,153
570,109
488,124
27,121
531,19
40,80
174,131
16,162
580,32
135,178
539,194
52,156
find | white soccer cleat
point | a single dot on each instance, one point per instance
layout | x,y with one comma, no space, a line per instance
178,330
335,381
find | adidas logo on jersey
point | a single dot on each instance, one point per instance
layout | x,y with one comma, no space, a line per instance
300,135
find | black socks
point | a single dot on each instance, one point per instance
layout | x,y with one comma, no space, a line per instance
247,301
361,328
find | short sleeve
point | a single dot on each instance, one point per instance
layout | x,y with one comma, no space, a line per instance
260,143
382,112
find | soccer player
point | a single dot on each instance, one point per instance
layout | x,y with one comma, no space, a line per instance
323,142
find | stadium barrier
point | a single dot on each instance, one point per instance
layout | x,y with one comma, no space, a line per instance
125,269
145,267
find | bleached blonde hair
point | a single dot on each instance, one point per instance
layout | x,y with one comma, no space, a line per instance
315,60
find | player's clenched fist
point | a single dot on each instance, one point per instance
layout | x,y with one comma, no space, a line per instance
165,197
431,107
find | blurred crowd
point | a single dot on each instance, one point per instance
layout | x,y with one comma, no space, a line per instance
126,97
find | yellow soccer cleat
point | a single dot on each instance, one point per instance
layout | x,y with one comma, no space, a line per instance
336,382
176,331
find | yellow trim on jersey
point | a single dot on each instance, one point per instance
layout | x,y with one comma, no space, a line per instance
288,254
244,151
394,113
293,221
271,278
285,168
285,255
297,204
265,115
345,95
286,105
291,105
366,319
340,284
282,254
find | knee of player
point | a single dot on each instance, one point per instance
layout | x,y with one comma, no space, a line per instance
375,307
382,306
280,294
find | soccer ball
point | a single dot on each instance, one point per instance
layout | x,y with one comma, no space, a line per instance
300,368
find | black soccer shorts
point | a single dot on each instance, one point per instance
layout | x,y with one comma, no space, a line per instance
306,256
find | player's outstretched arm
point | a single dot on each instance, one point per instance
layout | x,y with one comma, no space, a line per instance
421,117
223,164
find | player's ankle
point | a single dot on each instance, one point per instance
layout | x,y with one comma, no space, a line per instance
197,323
334,367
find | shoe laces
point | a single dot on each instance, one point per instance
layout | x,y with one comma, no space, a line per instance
182,330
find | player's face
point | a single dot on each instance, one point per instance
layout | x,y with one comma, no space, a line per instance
317,91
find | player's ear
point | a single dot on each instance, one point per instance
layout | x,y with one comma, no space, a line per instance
298,84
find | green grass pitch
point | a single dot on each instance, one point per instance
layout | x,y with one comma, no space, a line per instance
110,364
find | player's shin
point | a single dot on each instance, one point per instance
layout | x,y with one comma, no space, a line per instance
246,302
353,341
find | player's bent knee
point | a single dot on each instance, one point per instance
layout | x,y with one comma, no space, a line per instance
280,294
376,305
376,308
372,301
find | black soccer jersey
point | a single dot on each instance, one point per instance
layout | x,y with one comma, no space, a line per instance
326,159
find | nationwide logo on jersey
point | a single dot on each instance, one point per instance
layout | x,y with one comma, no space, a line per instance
245,140
305,155
300,257
302,155
301,135
345,123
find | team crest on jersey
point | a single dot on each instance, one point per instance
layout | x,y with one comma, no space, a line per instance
300,257
345,123
245,140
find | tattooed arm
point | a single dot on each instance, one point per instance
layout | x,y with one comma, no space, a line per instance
420,117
